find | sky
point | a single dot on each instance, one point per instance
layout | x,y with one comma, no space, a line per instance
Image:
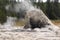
44,0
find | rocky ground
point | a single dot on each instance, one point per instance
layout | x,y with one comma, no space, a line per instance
23,34
27,36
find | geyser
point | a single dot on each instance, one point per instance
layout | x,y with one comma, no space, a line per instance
9,23
34,17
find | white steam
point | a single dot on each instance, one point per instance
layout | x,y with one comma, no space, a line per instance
9,23
21,6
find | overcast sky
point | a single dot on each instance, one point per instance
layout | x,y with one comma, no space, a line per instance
46,0
43,0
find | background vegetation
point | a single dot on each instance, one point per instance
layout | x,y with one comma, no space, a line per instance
51,9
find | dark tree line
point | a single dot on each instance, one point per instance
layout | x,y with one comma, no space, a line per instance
51,9
3,12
